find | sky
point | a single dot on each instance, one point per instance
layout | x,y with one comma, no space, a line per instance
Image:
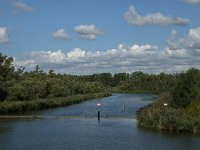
95,36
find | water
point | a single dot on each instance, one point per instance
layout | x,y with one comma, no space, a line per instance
117,129
118,105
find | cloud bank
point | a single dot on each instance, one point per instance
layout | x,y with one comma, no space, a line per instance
176,56
132,17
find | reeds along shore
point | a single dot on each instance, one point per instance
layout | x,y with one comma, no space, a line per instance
158,116
14,107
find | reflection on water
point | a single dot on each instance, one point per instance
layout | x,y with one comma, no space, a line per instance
4,129
89,134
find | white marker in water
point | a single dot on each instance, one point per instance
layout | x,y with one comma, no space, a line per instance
165,104
98,104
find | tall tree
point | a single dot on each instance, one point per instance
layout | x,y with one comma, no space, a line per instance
6,73
186,88
6,67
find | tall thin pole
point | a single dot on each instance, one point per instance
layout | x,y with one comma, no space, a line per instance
98,114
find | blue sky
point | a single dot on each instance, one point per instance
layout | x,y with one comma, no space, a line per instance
92,36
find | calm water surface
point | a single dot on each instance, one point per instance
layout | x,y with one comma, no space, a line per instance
117,129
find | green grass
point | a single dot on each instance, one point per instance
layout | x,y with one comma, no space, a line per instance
13,107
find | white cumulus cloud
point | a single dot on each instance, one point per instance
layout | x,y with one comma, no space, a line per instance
4,37
132,17
184,52
56,57
190,41
24,63
88,32
194,36
22,6
76,54
61,34
177,54
80,61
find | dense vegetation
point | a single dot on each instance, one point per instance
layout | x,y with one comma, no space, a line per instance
25,91
170,119
19,85
136,82
181,114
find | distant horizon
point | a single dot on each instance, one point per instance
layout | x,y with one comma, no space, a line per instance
87,37
112,73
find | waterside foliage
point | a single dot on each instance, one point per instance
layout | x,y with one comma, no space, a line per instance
165,118
177,110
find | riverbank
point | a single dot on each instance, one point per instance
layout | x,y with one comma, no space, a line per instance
158,116
119,90
13,107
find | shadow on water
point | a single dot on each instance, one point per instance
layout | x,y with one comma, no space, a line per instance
167,133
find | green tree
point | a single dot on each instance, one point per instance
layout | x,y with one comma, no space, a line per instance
186,88
19,73
119,78
6,74
3,92
6,68
16,92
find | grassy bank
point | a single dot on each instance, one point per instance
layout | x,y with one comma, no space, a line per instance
13,107
156,116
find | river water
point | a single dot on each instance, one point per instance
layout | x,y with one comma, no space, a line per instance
79,128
